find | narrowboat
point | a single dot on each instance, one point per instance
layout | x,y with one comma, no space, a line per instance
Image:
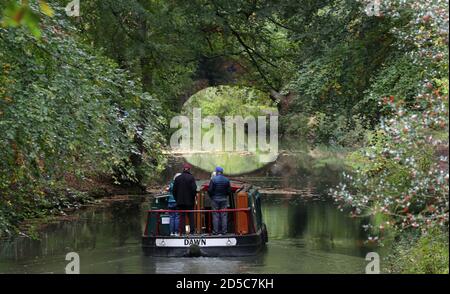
246,234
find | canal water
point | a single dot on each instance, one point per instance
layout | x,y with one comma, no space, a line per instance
307,233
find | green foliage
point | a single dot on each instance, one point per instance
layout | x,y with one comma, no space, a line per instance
297,124
426,254
334,129
65,109
401,78
180,47
401,177
150,39
336,50
22,14
224,101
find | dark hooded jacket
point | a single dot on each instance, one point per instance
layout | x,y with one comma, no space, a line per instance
185,189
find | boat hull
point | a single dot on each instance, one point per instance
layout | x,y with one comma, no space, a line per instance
197,245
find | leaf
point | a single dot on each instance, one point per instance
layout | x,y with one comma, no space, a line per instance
46,8
31,20
12,15
16,15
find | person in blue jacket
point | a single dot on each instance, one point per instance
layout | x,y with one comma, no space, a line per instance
172,204
219,190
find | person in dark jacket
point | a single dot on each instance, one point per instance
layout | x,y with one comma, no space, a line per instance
219,189
184,192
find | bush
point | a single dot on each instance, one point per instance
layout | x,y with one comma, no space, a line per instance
66,109
320,128
426,254
296,125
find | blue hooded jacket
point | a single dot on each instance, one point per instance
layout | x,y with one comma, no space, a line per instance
219,187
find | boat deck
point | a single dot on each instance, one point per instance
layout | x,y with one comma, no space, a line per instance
246,234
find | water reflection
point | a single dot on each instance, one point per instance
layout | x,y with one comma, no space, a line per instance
317,224
305,236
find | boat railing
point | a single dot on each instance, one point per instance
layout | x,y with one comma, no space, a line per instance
241,221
